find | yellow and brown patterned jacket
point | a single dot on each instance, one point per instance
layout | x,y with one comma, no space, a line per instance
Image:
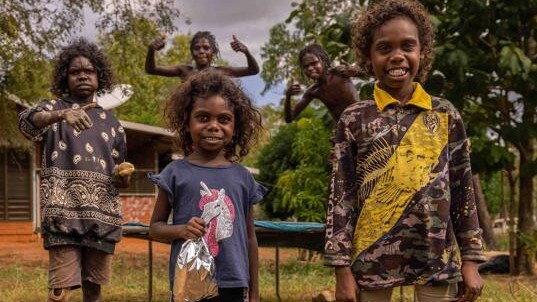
401,208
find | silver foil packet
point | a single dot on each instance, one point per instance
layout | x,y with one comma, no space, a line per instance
194,272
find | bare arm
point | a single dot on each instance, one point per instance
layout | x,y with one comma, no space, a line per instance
253,258
251,69
291,114
167,71
345,284
159,228
76,118
472,284
347,71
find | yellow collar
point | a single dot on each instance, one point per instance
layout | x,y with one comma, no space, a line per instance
420,98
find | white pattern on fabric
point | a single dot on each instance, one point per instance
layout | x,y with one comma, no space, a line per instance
218,206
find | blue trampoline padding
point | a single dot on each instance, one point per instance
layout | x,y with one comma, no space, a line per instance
285,226
288,226
135,223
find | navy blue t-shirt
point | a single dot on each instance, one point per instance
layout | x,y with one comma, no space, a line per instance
191,188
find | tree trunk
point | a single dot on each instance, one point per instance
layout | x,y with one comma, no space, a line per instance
525,248
511,222
483,213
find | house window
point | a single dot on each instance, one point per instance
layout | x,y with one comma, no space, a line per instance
15,185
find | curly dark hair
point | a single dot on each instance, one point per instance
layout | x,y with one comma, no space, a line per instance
81,48
316,50
380,13
204,84
205,35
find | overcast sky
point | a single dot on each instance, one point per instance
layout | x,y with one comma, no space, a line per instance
249,20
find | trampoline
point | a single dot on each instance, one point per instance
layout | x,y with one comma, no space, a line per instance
306,235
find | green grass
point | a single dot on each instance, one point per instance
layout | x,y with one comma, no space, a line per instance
298,282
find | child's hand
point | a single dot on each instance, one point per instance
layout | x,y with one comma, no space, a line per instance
122,175
158,43
125,169
293,88
472,284
194,229
77,118
237,45
345,285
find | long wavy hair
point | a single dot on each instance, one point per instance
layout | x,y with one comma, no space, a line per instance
204,84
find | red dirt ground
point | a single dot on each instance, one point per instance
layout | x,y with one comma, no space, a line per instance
28,249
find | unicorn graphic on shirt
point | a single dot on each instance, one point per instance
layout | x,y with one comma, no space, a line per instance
218,213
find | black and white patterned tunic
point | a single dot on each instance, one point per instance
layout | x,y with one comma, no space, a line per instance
79,203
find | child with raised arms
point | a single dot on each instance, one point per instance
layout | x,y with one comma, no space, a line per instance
401,208
332,87
83,166
216,125
204,49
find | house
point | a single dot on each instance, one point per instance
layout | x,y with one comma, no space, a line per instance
149,149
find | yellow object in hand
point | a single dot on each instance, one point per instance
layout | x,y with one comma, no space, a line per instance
125,169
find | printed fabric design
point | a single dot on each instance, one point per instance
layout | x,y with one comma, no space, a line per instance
219,213
407,170
79,195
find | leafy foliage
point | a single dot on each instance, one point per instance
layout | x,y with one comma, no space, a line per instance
274,159
487,56
294,164
304,190
43,25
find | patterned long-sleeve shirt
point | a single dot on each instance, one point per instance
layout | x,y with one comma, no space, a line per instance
79,203
401,208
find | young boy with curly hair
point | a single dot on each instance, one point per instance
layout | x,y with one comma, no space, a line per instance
83,166
401,209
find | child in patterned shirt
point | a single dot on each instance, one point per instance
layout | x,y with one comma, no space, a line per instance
83,166
401,209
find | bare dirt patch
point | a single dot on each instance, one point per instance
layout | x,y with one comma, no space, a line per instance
29,251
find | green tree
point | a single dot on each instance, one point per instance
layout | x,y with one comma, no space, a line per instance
304,190
274,159
487,57
43,25
294,165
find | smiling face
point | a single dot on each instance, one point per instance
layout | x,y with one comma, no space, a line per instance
395,56
312,66
202,52
82,79
211,126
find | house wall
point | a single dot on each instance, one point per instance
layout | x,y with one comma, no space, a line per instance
137,208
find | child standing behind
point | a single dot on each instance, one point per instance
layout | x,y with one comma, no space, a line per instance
217,125
203,49
332,87
401,209
83,166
